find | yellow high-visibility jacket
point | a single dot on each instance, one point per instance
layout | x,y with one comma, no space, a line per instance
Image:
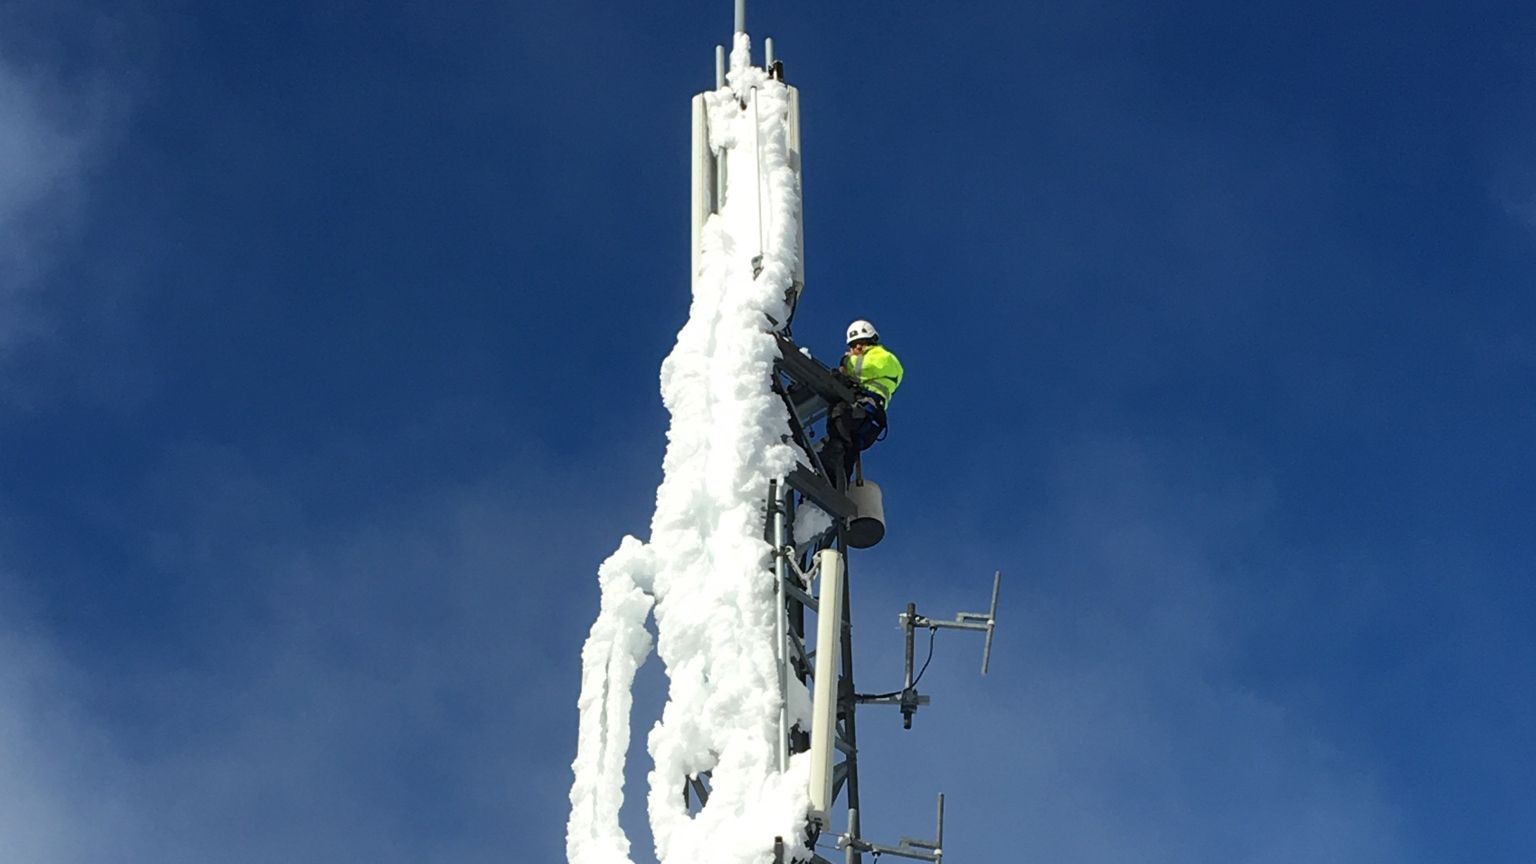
876,370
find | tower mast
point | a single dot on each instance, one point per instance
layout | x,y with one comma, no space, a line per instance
810,391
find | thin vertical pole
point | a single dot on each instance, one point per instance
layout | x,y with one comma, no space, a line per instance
851,852
846,692
986,650
939,835
705,192
796,164
741,16
757,158
778,500
720,157
906,624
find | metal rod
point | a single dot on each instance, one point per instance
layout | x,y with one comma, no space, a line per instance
951,625
703,183
741,16
722,160
768,53
757,159
903,851
907,622
805,599
846,692
939,838
892,700
810,447
986,651
778,500
850,852
795,163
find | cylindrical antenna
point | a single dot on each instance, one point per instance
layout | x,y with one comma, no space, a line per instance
741,16
779,500
719,66
907,623
768,53
939,838
986,650
757,158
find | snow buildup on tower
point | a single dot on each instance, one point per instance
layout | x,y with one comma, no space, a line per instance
706,575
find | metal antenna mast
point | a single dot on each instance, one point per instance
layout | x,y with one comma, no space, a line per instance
803,565
810,391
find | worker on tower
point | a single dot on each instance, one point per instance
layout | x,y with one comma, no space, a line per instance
875,373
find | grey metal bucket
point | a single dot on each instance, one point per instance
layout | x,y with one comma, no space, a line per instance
867,527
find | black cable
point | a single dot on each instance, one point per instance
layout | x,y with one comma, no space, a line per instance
932,632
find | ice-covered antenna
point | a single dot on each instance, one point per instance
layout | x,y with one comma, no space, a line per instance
907,698
771,65
815,513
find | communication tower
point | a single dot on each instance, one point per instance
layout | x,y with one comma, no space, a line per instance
814,634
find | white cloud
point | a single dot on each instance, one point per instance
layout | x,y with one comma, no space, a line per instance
35,151
46,748
41,160
54,128
383,691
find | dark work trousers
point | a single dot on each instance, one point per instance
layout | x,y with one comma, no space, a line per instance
851,429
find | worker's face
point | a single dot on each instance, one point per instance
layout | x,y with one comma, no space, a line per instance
859,347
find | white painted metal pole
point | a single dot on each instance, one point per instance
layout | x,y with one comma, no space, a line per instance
851,851
757,159
768,53
704,189
829,643
782,549
796,165
741,16
719,66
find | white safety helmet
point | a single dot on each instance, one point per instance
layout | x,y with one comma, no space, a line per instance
862,329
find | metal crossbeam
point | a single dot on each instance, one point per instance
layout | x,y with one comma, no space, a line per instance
814,386
821,493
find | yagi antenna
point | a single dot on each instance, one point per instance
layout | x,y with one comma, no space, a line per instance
916,850
907,698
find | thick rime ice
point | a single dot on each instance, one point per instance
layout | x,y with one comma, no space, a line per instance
706,574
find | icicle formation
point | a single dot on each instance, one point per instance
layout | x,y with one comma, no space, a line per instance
706,572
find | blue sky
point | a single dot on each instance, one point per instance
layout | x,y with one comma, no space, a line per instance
328,353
